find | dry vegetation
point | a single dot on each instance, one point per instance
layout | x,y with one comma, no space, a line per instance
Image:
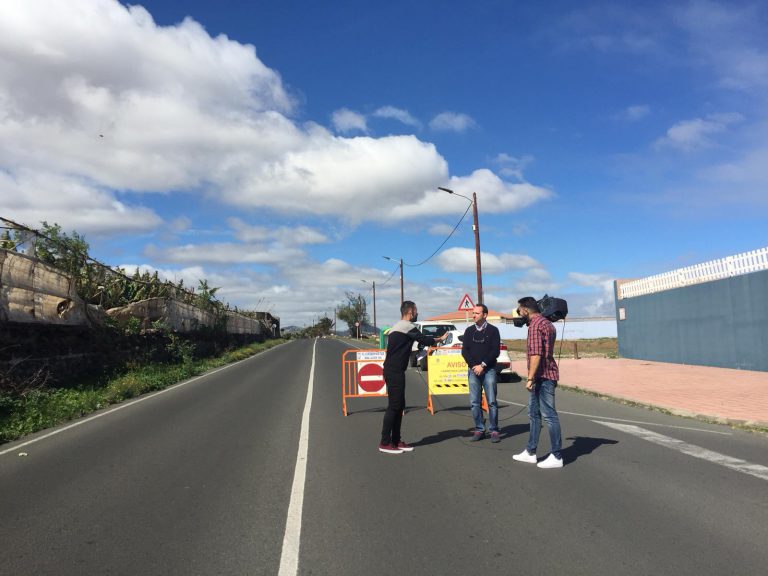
593,348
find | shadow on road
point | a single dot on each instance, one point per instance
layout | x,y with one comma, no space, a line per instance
441,437
583,445
513,430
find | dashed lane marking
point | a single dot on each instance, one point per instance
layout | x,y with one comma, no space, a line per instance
756,470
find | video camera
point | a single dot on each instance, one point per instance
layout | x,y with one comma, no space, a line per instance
553,309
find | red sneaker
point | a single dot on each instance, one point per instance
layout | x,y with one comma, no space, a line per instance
390,449
404,447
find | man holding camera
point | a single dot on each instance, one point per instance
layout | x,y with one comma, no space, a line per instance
543,375
480,349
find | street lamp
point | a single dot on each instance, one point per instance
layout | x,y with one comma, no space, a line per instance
402,296
375,326
476,228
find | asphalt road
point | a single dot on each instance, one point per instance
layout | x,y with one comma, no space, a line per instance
199,479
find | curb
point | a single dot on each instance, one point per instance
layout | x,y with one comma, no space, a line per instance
748,425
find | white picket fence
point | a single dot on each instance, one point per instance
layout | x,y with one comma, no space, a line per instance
745,263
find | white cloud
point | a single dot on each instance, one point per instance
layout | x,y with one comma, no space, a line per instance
284,235
463,260
180,224
536,282
636,112
452,122
601,304
345,120
493,194
223,253
398,114
31,197
97,95
512,166
729,38
591,280
692,134
440,229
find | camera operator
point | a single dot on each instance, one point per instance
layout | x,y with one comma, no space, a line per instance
543,375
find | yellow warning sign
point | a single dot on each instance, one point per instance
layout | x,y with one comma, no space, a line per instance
447,372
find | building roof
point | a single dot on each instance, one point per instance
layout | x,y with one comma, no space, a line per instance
466,316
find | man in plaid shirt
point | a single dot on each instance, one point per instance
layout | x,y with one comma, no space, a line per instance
543,375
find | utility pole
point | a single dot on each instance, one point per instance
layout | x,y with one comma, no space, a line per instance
375,326
402,292
476,228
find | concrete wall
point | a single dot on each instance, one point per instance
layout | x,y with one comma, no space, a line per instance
719,323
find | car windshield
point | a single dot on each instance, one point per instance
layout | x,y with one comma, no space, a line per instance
436,330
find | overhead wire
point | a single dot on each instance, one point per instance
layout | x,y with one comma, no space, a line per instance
443,243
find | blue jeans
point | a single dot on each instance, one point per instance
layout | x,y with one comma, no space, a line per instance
475,398
541,402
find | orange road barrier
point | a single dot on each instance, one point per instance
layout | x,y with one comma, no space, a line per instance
362,375
447,373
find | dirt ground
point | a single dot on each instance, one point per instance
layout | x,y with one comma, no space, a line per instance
593,348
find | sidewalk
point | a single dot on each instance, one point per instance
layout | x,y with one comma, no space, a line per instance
715,394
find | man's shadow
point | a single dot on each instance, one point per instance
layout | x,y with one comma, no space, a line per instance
513,430
581,446
441,437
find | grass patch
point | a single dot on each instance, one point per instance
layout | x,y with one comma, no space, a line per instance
40,409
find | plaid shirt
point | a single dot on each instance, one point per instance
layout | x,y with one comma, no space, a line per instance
541,342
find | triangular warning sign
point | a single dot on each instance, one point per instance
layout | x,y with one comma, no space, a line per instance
466,303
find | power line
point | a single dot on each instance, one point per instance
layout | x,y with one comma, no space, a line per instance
444,241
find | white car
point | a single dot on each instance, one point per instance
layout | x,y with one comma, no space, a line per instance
435,328
453,341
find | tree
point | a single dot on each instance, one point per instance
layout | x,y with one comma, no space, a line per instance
324,326
206,297
353,312
59,249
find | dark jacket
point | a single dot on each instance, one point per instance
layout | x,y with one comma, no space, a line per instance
481,346
400,343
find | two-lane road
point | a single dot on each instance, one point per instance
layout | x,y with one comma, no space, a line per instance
200,479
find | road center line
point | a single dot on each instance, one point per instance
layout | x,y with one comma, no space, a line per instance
737,464
289,557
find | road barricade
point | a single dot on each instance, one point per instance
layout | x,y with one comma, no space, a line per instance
362,375
447,373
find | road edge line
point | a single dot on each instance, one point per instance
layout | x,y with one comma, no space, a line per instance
289,555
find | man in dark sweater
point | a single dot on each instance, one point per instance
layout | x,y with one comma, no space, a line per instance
480,349
399,344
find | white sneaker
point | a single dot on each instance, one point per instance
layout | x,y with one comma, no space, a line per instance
551,462
524,456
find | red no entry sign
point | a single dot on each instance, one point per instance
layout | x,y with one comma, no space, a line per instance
370,378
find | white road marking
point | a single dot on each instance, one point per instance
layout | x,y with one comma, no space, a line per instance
126,404
737,464
289,557
630,421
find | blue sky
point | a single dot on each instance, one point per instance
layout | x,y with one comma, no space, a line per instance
281,149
